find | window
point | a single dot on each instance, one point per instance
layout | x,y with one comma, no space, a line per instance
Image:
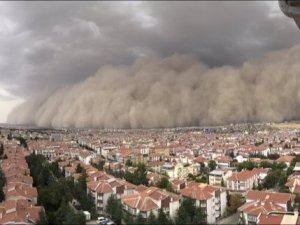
252,218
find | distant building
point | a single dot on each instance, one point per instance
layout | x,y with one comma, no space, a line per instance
246,180
178,184
219,177
223,161
297,168
56,137
287,159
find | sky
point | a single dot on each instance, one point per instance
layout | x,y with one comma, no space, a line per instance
49,45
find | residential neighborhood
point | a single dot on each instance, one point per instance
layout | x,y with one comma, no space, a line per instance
143,176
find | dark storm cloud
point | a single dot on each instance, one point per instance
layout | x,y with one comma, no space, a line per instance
45,45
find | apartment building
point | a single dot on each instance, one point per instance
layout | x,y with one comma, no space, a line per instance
280,219
246,180
145,200
293,183
219,177
211,199
102,188
260,203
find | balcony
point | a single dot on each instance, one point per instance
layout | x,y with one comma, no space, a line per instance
252,219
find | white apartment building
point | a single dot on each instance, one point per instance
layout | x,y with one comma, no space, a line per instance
212,199
219,177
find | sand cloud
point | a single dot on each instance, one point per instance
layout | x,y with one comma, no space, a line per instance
174,91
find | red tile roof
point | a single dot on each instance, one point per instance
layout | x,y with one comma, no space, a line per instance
148,199
270,219
199,191
18,211
261,207
242,176
274,197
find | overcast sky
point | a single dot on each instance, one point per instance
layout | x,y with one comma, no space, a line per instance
46,45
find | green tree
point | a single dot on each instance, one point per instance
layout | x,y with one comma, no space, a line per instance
128,219
203,179
99,165
110,205
66,215
162,218
234,201
44,176
199,217
188,213
129,162
2,195
62,212
182,217
114,209
80,194
273,156
222,183
9,136
42,218
289,170
79,168
248,165
276,177
54,168
281,166
139,175
266,164
1,149
55,192
151,220
212,165
165,184
140,220
2,184
74,218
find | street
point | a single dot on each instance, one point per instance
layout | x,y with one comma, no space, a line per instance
233,219
91,222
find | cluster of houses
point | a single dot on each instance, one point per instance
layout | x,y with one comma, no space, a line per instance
19,206
142,200
272,207
175,156
265,207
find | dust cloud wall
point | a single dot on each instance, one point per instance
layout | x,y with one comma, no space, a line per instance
173,92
